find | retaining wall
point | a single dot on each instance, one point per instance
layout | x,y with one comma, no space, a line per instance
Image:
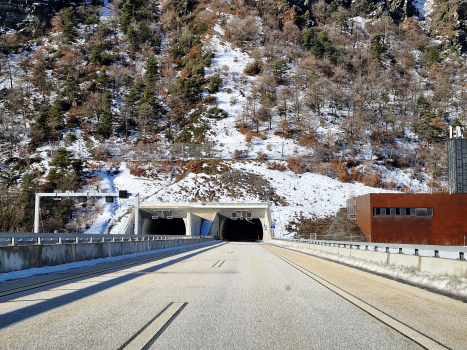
15,258
437,266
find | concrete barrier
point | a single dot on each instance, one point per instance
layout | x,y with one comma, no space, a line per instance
436,266
15,258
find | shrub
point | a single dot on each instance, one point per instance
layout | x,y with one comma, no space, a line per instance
262,156
294,166
215,82
277,166
430,57
206,58
217,113
252,68
238,154
372,179
210,100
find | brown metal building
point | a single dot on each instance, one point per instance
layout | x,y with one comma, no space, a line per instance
439,219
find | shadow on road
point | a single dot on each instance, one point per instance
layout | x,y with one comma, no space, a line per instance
7,319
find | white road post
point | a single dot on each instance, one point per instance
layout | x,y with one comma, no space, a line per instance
37,208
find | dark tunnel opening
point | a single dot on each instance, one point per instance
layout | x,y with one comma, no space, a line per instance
241,230
164,227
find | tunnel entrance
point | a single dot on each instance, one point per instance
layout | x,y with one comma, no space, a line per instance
164,227
241,230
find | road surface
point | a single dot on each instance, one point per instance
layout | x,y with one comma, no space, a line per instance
226,296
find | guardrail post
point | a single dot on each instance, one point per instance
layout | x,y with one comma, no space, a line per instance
13,241
387,249
436,254
38,240
400,250
461,256
59,240
416,252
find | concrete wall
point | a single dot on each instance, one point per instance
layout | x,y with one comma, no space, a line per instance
215,227
193,224
15,258
437,266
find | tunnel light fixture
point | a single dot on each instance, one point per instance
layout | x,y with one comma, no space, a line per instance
169,215
248,216
234,216
154,217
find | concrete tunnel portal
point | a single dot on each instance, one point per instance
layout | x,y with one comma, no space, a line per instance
229,221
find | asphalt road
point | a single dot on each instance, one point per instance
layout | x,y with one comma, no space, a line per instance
230,296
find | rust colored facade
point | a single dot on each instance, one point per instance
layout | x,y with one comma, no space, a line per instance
445,225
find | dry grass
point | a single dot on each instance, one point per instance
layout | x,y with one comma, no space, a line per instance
330,228
246,131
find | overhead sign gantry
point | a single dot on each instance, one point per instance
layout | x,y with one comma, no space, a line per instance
83,197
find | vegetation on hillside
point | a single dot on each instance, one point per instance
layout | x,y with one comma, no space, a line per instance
139,75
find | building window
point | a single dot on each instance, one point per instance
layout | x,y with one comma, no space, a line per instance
402,211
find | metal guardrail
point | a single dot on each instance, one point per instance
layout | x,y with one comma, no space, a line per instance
21,239
388,247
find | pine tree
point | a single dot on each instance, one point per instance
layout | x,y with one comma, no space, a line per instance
377,47
104,126
68,15
126,16
149,95
61,159
144,31
103,80
96,57
341,24
307,38
280,69
39,130
133,38
152,70
71,89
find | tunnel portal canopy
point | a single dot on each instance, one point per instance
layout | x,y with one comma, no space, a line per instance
230,221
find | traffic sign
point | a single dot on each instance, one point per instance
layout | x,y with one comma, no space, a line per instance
273,225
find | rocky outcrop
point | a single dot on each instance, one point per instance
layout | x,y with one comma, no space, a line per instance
397,9
448,22
16,14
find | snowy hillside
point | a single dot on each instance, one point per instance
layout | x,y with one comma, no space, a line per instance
299,105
